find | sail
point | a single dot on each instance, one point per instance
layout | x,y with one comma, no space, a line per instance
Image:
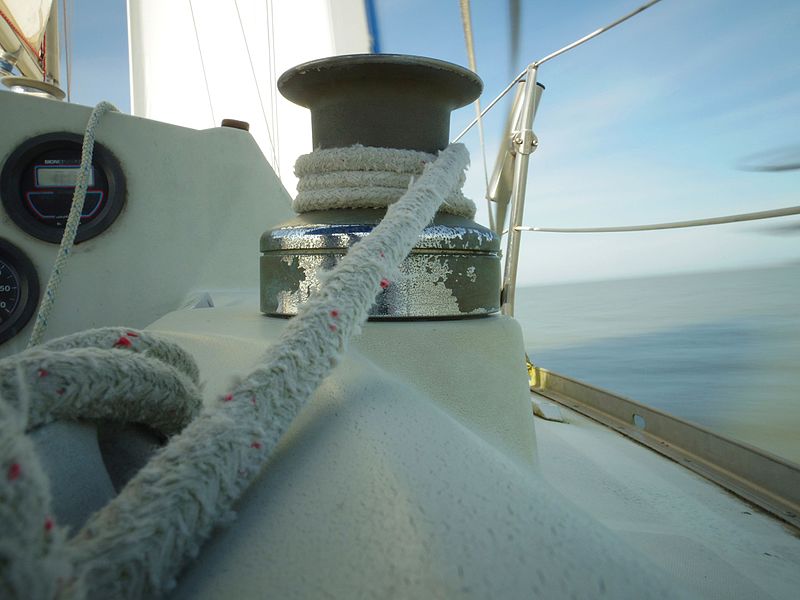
196,62
28,20
22,31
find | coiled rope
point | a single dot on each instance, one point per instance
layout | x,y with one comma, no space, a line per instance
366,177
136,545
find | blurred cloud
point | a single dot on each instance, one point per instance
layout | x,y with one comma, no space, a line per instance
776,160
783,228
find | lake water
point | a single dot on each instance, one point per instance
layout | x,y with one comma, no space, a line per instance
720,349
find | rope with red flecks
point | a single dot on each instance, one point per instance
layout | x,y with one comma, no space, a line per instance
111,374
138,543
135,546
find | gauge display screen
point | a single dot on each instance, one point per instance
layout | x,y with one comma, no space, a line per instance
59,176
48,183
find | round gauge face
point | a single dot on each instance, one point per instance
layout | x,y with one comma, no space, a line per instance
9,290
19,290
38,181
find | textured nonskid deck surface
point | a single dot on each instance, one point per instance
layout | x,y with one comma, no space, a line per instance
717,545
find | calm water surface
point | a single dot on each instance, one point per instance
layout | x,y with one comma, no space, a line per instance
719,349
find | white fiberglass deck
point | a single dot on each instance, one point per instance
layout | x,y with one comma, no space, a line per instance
717,545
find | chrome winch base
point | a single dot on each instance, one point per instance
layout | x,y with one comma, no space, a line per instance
453,270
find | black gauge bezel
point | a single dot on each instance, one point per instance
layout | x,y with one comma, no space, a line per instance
14,204
29,290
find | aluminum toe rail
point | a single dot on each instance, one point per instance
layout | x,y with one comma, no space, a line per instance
764,479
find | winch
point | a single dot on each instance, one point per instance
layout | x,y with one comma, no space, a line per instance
372,107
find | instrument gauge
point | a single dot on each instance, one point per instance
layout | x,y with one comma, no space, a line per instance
38,181
19,290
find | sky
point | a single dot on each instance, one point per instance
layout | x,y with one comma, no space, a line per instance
650,122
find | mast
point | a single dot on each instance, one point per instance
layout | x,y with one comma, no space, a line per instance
52,48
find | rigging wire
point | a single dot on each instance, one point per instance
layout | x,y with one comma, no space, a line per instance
255,80
466,23
551,56
203,65
752,216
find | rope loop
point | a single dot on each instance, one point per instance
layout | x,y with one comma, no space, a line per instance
114,373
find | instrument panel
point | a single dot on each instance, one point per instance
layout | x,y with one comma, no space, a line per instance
171,214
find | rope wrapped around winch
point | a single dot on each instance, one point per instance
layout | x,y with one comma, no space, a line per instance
366,177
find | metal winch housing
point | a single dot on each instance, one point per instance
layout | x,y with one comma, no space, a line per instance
386,101
453,270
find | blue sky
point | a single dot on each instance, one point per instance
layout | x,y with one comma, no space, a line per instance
644,124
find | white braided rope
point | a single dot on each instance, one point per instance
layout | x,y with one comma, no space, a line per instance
137,544
33,554
73,220
111,374
366,177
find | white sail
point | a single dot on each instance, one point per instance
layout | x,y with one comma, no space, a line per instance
195,62
28,19
23,24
